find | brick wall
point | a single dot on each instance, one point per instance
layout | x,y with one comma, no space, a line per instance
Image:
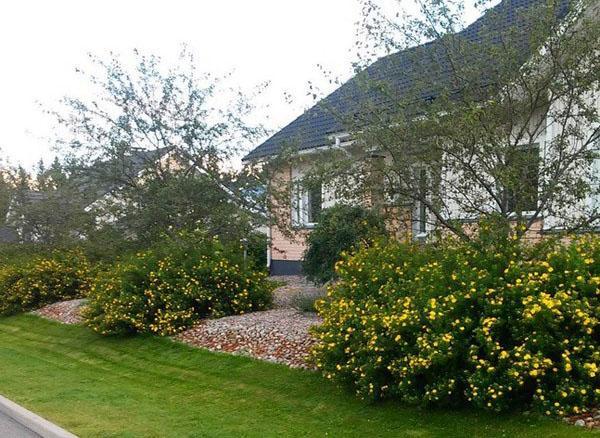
286,243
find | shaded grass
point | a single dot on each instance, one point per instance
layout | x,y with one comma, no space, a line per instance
152,387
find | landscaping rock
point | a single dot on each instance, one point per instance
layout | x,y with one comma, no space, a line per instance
591,420
280,335
67,312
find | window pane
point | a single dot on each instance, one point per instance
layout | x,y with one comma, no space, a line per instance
523,192
422,206
315,202
296,209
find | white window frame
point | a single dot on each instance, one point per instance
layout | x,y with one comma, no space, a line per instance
417,213
538,146
301,206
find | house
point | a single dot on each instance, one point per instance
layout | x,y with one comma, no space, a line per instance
36,215
325,126
106,180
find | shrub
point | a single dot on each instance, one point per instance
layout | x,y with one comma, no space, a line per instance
340,228
43,280
493,326
256,244
164,291
306,299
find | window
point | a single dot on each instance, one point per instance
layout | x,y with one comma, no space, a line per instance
595,182
420,211
307,204
314,203
523,165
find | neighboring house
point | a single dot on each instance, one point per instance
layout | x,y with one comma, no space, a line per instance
109,178
319,128
87,189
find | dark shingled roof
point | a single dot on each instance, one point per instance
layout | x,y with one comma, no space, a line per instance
398,71
102,177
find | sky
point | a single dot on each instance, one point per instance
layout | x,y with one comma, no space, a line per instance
281,41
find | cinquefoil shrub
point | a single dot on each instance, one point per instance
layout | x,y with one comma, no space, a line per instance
495,326
165,291
43,280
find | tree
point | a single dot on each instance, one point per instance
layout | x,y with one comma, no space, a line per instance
47,207
6,193
499,119
158,144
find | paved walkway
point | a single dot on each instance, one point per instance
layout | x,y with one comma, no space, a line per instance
10,428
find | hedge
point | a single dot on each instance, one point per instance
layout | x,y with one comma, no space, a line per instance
496,325
166,291
58,276
340,229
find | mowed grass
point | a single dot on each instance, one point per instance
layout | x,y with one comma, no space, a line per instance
151,387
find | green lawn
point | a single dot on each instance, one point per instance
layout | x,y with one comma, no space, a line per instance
150,387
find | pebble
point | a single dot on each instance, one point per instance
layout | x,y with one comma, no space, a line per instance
591,419
279,335
67,312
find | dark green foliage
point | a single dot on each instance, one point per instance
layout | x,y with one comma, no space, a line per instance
496,326
340,228
165,290
41,280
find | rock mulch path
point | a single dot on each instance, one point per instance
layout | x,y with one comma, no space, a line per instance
67,312
279,335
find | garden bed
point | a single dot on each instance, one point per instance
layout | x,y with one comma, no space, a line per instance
66,312
279,335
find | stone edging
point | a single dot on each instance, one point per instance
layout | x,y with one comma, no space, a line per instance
31,421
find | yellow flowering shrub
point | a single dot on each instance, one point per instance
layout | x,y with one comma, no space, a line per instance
43,280
164,292
490,324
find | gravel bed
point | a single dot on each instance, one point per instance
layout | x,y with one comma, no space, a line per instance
591,420
279,335
67,312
